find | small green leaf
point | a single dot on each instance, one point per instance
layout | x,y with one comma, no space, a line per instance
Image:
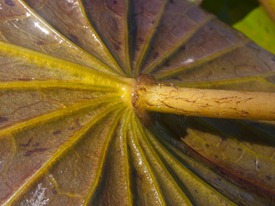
259,27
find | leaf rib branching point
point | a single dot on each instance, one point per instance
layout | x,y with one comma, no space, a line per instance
157,97
127,91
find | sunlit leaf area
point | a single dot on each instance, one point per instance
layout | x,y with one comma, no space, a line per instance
265,32
69,134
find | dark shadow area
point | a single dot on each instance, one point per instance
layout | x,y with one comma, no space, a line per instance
170,130
230,11
252,132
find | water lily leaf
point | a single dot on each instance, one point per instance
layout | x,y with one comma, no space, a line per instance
20,25
147,15
69,134
110,19
259,27
78,29
179,22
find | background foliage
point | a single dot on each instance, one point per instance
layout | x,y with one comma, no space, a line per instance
248,16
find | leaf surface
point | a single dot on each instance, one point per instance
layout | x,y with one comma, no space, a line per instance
69,134
264,34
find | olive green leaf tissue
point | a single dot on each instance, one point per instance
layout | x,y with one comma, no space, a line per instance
69,134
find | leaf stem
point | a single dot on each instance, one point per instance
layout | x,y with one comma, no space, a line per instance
151,96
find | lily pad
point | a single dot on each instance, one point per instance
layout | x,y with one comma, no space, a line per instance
259,27
69,134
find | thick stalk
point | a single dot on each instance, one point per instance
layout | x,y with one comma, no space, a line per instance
204,102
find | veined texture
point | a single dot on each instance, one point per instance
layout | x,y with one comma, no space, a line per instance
69,134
